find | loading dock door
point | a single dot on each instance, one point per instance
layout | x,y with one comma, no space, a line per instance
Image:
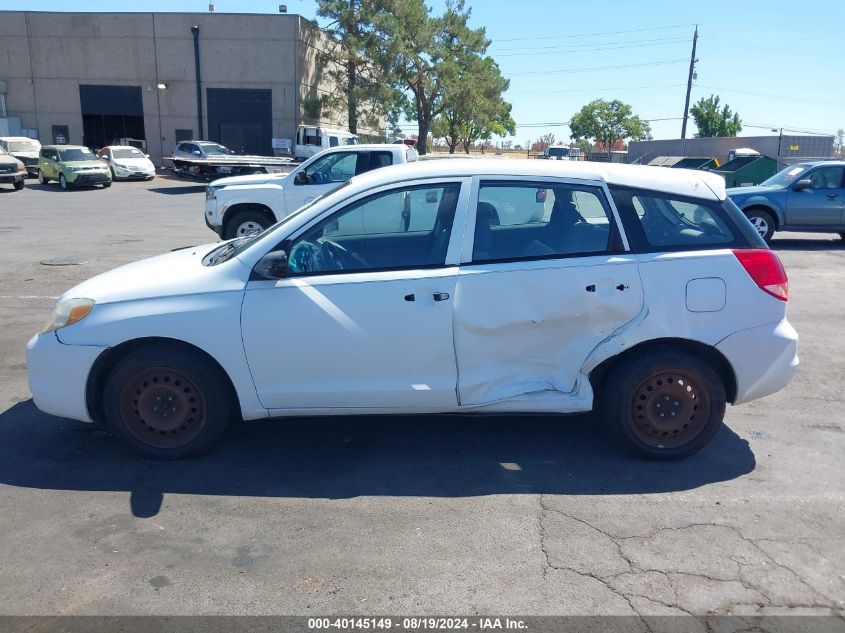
110,113
241,119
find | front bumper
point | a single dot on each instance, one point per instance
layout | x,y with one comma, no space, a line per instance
133,174
212,220
87,177
58,375
12,176
764,359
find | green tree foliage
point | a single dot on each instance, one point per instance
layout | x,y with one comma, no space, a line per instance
711,121
425,54
607,122
473,108
349,63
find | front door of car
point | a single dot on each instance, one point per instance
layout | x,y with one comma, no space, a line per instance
821,203
322,175
363,317
545,279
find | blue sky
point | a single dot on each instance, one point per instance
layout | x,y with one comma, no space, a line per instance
779,64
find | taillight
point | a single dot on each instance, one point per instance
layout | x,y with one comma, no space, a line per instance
765,269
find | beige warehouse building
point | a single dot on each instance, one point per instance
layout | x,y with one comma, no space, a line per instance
92,78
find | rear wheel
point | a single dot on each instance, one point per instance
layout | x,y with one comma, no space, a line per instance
762,221
167,403
246,223
665,403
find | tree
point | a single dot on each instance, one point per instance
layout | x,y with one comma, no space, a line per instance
839,144
547,140
473,108
349,63
424,54
607,122
711,121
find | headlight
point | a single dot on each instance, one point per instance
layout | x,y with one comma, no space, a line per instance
67,313
209,192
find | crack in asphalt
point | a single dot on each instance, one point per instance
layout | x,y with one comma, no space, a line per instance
740,577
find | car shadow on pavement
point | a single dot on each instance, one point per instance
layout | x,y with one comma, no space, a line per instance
341,457
175,191
789,244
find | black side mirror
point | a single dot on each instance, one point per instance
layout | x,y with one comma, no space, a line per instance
802,184
301,178
273,265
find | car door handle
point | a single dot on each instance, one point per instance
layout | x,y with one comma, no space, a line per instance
410,297
831,196
591,288
621,287
441,296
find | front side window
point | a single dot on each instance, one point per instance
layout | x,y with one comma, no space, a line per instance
398,229
659,220
338,167
826,178
535,220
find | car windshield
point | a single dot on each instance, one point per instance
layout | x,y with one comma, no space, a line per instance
127,152
23,146
76,154
212,149
787,176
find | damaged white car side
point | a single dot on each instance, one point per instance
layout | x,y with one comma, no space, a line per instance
447,286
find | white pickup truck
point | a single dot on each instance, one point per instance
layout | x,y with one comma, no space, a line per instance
242,205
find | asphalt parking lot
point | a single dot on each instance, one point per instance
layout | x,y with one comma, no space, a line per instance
405,514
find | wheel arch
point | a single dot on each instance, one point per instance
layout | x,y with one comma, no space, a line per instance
759,206
706,352
236,208
110,358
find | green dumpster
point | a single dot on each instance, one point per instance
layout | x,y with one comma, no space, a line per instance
744,171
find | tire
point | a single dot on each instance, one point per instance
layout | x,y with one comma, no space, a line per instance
245,221
63,183
762,221
42,179
106,185
643,388
842,236
197,392
20,184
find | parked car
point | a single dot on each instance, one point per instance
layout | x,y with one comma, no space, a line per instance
399,293
127,163
72,166
208,160
238,206
24,149
12,171
806,197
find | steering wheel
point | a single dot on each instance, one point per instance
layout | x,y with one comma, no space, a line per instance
306,257
339,257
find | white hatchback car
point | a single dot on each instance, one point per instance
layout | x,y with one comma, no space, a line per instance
127,163
482,286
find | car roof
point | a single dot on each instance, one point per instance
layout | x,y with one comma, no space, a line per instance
63,147
17,138
685,182
119,147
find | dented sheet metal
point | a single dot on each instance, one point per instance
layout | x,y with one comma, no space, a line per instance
528,327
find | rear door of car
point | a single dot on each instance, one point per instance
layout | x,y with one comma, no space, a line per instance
545,277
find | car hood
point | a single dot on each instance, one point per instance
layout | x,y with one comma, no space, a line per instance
6,159
175,273
752,191
255,179
33,154
142,163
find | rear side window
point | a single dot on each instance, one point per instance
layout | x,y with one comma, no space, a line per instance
659,221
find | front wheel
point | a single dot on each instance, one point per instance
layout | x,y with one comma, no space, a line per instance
107,184
665,403
63,183
20,184
763,223
168,403
42,179
246,223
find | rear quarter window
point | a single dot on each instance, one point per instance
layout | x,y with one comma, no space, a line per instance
658,221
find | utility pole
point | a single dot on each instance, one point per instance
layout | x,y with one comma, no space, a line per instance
692,61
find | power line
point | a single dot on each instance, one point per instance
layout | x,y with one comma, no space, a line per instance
614,89
597,68
768,95
586,50
589,45
561,37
